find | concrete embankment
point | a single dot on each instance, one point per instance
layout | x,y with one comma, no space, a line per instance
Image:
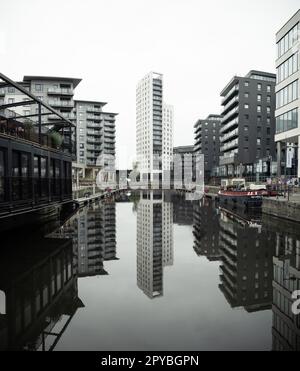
282,208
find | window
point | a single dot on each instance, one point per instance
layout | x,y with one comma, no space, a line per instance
11,100
287,95
286,43
246,95
246,106
20,175
287,121
259,109
268,110
269,88
246,117
259,86
246,83
258,141
2,176
259,98
10,89
269,99
38,87
288,68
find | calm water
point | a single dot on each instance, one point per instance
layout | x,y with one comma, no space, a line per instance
152,272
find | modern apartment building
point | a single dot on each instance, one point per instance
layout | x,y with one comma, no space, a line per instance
96,138
93,138
207,143
247,130
288,98
184,165
154,130
57,92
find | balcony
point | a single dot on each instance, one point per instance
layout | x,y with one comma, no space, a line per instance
229,135
231,93
94,117
227,160
94,148
93,126
229,125
230,145
61,103
232,103
93,109
61,91
95,133
234,112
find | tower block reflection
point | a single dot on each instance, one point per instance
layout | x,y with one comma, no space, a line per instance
154,241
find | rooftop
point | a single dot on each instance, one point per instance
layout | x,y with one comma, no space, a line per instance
72,80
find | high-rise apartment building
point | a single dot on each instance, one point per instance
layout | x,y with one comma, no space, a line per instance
93,141
207,143
248,125
154,130
96,137
288,98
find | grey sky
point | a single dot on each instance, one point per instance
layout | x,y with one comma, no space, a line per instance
197,45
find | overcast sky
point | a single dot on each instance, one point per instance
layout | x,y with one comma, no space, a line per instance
111,44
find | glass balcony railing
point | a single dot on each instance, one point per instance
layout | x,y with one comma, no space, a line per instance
234,143
60,91
229,125
61,103
233,91
230,135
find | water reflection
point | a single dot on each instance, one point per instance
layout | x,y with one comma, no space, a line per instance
93,231
39,295
286,325
246,269
258,258
154,241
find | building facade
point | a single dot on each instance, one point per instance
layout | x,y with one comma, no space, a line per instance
93,137
248,126
154,129
207,143
96,138
288,98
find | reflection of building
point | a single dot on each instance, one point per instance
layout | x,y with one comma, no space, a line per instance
154,241
183,210
39,287
246,270
206,233
286,325
94,238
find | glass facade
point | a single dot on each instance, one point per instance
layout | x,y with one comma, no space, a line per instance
286,43
287,95
288,68
287,121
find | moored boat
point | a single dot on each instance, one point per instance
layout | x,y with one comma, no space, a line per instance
246,199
